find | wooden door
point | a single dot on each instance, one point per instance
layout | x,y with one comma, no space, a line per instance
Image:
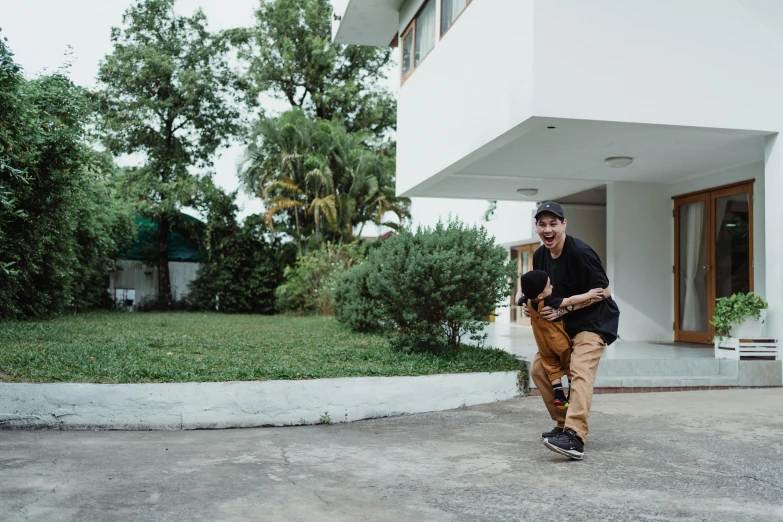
713,256
523,255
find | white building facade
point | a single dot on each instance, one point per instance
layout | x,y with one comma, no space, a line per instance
503,96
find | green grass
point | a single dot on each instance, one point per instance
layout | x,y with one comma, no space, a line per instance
185,347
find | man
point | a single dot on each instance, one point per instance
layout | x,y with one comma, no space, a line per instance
573,268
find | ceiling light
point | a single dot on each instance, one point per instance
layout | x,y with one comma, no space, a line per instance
619,162
527,191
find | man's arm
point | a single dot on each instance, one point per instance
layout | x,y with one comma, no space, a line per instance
578,301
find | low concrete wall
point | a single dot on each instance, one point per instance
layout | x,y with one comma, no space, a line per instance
242,404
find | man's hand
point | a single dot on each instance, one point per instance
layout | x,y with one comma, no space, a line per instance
550,314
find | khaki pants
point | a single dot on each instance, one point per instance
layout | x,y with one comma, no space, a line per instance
586,353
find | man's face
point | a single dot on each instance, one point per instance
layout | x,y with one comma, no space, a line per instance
550,229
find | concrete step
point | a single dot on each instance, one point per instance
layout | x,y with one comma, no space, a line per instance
667,368
685,373
662,381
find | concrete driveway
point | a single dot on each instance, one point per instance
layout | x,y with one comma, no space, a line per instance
708,455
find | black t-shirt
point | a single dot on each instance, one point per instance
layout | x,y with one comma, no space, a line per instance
576,271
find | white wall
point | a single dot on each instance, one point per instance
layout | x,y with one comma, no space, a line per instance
773,214
588,223
639,251
704,63
474,85
132,274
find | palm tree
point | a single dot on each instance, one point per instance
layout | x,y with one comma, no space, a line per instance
316,176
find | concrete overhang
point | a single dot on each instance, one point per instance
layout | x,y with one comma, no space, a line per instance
560,157
367,22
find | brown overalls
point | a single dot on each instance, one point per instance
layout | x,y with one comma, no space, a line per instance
554,344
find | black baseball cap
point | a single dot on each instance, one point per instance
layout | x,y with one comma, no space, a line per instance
552,207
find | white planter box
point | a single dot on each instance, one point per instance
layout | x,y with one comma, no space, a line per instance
750,328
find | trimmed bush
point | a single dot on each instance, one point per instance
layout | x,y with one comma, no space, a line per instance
435,286
309,285
355,305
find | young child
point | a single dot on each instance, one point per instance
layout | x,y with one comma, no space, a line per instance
554,344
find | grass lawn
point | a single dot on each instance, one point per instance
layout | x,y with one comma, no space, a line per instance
185,347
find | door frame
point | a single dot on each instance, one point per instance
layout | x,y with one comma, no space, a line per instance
709,196
515,317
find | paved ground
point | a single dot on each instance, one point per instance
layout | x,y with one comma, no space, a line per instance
713,456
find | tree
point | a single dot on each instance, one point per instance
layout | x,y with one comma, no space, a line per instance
290,53
242,264
319,181
60,224
167,91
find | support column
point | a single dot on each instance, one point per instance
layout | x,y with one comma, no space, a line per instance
773,240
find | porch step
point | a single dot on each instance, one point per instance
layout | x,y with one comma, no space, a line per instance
662,381
686,373
669,368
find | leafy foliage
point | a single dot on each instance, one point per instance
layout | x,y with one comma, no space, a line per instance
290,53
60,222
309,285
167,92
736,309
243,264
433,287
318,181
355,305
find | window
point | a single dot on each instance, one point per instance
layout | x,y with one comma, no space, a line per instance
419,38
407,52
425,31
451,9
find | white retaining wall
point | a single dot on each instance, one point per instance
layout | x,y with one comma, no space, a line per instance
242,404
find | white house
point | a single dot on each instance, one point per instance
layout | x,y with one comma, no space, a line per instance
655,124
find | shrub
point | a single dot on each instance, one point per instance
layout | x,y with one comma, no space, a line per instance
355,305
60,223
243,265
736,309
437,285
309,285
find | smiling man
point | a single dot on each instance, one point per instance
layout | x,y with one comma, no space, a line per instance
574,268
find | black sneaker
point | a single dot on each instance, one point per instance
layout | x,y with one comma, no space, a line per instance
567,443
552,434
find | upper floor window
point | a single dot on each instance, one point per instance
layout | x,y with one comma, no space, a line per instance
419,38
451,9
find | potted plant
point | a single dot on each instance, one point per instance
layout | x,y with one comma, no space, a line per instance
740,316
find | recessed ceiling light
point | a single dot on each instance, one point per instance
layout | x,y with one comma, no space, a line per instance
619,162
527,191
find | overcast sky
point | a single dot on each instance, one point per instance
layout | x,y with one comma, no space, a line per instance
40,31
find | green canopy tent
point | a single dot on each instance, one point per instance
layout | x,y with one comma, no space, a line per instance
182,246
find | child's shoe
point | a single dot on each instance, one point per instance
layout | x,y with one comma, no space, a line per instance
561,401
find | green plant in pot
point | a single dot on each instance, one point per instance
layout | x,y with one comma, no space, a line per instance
735,310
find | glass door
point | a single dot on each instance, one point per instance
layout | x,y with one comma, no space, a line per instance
713,256
691,281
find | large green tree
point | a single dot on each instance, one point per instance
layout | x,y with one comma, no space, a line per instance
319,181
167,92
290,53
60,223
